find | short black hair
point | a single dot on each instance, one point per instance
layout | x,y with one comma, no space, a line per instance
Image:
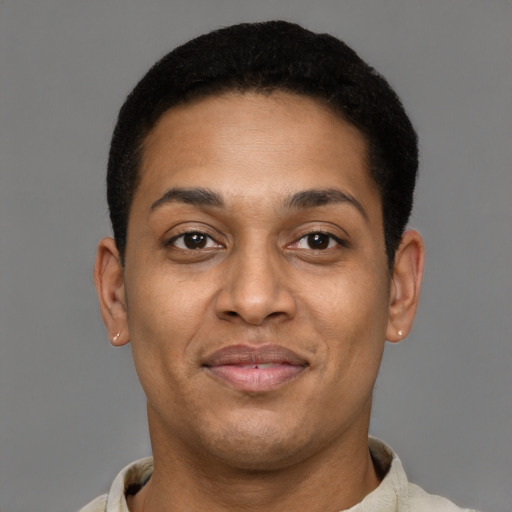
266,57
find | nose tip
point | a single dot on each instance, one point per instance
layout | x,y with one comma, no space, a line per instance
255,293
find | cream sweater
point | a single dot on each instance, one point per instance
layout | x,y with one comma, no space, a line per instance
394,494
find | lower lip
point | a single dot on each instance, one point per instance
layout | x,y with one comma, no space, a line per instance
256,379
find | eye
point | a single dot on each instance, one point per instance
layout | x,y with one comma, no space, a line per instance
319,241
193,240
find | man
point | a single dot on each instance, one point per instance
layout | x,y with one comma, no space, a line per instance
260,180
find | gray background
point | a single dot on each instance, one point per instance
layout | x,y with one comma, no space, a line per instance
71,412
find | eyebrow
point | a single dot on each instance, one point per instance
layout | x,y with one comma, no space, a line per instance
305,199
314,198
198,196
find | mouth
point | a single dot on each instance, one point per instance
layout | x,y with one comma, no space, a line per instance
255,369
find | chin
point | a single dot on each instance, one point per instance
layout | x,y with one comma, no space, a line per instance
259,447
258,457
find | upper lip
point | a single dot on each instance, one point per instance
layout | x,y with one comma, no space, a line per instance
247,354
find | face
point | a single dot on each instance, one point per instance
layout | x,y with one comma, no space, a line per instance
256,291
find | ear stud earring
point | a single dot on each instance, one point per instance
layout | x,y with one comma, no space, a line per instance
400,333
115,338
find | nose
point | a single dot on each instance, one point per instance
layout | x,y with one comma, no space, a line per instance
255,288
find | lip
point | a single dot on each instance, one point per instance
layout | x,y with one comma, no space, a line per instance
255,369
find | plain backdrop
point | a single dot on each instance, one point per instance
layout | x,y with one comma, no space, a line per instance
71,411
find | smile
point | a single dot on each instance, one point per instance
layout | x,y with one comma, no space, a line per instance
255,369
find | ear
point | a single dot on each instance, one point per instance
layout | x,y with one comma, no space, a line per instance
109,281
405,285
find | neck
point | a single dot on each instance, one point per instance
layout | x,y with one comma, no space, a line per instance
334,480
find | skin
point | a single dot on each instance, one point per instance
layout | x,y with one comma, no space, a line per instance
259,279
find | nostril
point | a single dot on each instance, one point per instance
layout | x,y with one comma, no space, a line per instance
252,303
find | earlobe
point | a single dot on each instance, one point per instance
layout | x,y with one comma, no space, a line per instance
109,282
405,285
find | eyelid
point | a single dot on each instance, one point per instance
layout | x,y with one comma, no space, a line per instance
173,240
341,239
336,239
182,231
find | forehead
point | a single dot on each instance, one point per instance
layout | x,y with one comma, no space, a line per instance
255,144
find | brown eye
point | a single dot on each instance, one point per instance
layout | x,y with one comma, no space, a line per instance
318,241
193,241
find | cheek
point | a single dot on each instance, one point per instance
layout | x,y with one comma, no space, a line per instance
164,315
161,324
350,303
162,304
349,315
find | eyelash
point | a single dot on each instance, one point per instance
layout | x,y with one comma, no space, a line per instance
330,236
206,237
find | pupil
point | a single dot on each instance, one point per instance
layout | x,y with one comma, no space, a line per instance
194,240
318,241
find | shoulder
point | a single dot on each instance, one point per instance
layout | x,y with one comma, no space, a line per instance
97,505
421,501
128,481
395,489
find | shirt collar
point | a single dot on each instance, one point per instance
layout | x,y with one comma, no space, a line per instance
389,496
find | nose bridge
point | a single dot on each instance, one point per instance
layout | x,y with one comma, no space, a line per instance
255,287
